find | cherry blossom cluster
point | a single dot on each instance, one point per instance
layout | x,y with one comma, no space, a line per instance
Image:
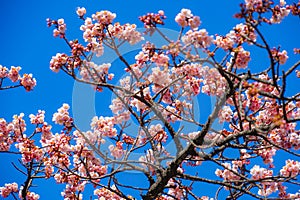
13,74
81,11
281,57
291,168
267,154
60,27
279,12
5,140
244,33
31,196
213,83
176,191
268,186
178,108
225,114
8,188
225,42
241,33
95,73
158,133
139,105
38,118
194,76
13,188
73,185
104,17
92,164
96,47
104,126
251,4
29,150
27,80
62,116
186,18
242,58
104,193
11,132
230,172
121,114
160,77
150,20
70,192
58,61
160,59
125,32
100,27
58,149
171,113
286,136
198,38
116,151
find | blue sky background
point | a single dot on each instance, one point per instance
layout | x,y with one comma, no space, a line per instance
26,41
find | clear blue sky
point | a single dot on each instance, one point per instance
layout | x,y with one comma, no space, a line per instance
26,41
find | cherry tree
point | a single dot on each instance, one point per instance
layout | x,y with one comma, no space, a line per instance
158,92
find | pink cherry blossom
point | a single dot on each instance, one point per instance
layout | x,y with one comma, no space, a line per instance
126,32
31,196
281,57
8,188
291,168
3,72
279,13
267,154
80,11
186,18
250,4
160,59
104,126
104,17
225,114
229,173
175,190
29,151
62,116
96,47
199,38
225,42
213,82
90,71
13,74
242,58
244,32
116,151
38,118
158,133
58,61
169,114
104,193
60,29
28,82
18,126
258,172
160,77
